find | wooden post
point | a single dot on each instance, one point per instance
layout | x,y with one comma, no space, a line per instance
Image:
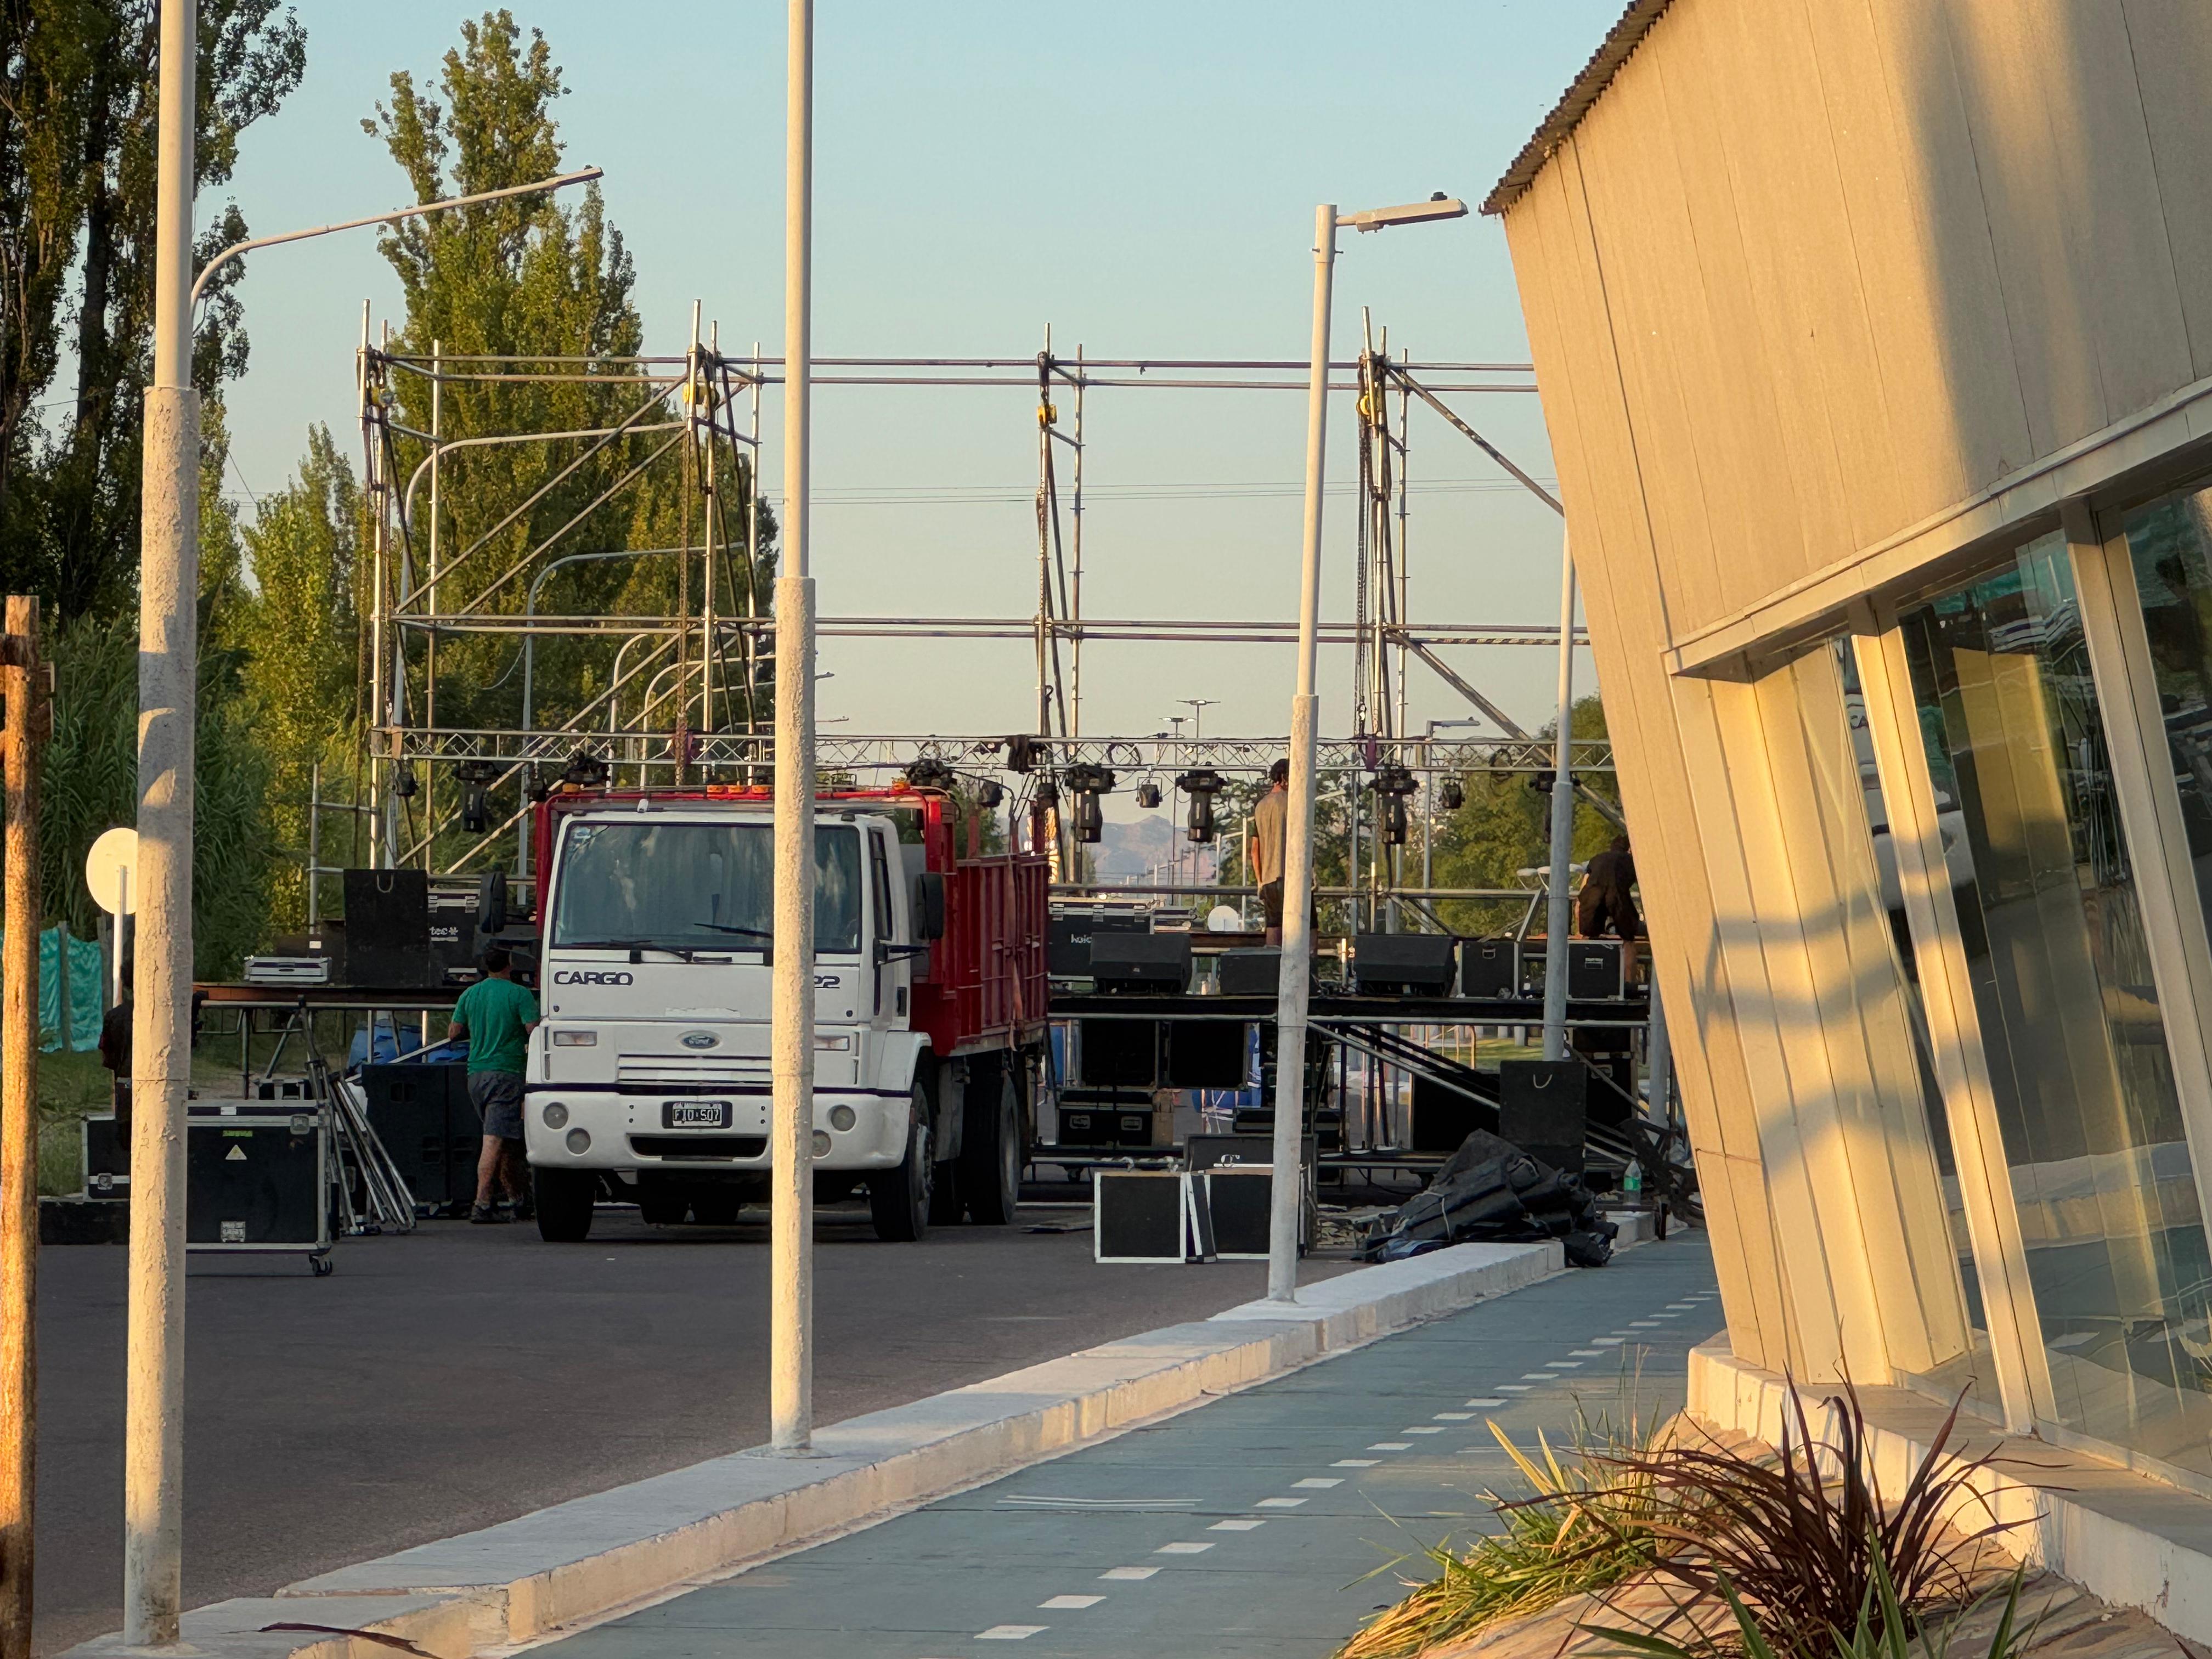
22,684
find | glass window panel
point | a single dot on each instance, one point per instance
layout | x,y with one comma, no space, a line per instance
695,886
2050,921
1970,1366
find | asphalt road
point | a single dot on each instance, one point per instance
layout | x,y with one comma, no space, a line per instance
1263,1525
461,1375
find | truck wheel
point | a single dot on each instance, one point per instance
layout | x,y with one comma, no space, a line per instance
991,1152
944,1185
564,1203
898,1200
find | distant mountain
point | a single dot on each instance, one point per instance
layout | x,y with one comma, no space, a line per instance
1129,850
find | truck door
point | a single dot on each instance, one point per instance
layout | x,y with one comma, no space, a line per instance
894,971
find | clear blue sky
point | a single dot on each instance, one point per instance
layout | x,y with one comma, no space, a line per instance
1140,176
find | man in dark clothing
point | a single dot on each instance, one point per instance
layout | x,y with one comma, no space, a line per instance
1269,817
1606,904
115,1054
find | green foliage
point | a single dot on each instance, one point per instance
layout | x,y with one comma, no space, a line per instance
78,97
1585,1524
91,784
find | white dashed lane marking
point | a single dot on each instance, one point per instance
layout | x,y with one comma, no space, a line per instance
1315,1483
1454,1417
1422,1428
1236,1526
1392,1445
1564,1364
1587,1353
1355,1462
1129,1575
1487,1400
1513,1387
1009,1632
1536,1376
1182,1549
1278,1503
1071,1601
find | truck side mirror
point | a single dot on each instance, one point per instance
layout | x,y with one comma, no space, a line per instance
491,901
928,905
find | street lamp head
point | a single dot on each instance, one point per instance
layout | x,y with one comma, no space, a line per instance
1438,206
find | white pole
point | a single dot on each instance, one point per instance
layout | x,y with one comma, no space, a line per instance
1556,920
1298,817
791,1269
160,1044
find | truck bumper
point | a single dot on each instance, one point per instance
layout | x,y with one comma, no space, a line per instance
604,1130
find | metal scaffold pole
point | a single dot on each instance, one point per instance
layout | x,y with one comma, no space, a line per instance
1558,911
791,1380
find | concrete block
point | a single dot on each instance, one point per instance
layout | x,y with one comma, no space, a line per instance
449,1627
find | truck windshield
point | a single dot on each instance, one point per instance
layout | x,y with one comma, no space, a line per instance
695,886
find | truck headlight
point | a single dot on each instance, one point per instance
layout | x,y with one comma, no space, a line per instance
842,1117
821,1143
579,1141
556,1115
575,1039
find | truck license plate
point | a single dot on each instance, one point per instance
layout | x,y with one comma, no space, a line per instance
696,1114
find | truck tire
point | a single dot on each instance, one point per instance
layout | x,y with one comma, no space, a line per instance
898,1200
991,1155
564,1203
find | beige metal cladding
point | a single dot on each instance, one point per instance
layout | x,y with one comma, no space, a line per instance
1858,283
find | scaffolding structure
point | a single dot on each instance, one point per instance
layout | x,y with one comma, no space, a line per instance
675,691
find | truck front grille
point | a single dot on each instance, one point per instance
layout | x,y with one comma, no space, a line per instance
683,1069
699,1148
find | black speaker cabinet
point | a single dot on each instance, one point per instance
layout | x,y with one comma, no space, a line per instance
1543,1109
1119,1053
1249,973
452,933
1067,942
421,1115
388,930
1489,967
257,1181
1140,962
1206,1054
106,1159
1595,970
1105,1126
1403,964
1150,1215
1445,1117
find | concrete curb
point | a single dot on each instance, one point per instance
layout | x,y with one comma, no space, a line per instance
515,1581
2119,1534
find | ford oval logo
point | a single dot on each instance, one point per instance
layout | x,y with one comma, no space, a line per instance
700,1039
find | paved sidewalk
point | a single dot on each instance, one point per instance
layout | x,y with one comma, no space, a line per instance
1242,1528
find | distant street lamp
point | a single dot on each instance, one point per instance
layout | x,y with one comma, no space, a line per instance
1297,968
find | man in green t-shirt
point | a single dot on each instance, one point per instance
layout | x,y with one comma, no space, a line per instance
496,1016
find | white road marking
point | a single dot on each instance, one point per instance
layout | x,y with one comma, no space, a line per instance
1182,1549
1513,1387
1060,1601
1536,1376
1278,1503
1642,1324
1608,1341
1129,1575
1487,1400
1392,1445
1010,1632
1236,1526
1422,1428
1587,1353
1564,1364
1315,1483
1454,1417
1683,1307
1355,1462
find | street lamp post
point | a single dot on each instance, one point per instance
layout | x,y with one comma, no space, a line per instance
1294,985
152,1458
791,1031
